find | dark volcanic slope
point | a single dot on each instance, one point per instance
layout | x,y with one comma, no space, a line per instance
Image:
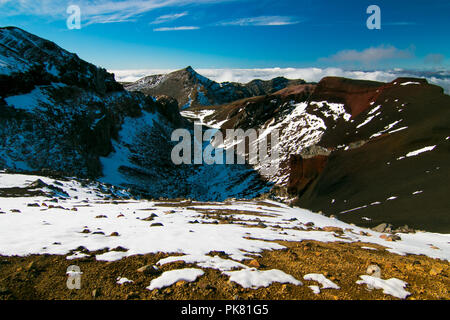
191,89
358,182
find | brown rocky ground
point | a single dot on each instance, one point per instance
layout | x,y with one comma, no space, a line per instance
43,276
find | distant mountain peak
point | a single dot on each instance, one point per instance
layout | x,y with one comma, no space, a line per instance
192,89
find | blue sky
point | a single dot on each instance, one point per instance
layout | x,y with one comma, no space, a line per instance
139,34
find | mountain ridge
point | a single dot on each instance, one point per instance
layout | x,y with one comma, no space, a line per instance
193,89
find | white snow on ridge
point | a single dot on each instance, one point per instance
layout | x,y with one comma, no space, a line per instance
31,101
417,152
330,109
409,83
297,130
131,128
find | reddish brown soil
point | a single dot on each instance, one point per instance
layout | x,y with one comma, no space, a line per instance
43,276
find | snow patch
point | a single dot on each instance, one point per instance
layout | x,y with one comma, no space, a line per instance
393,286
168,278
253,279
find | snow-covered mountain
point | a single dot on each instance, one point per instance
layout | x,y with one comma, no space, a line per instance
191,89
61,113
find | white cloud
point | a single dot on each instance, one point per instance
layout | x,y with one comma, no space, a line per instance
261,21
169,17
308,74
177,28
370,55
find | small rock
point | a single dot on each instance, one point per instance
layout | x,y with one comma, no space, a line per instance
374,271
405,229
262,225
181,283
16,211
132,295
254,263
33,205
383,227
120,215
156,224
168,291
114,234
148,269
4,291
435,271
101,216
30,266
96,293
390,237
333,229
120,249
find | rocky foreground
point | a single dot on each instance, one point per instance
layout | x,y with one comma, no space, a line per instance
131,248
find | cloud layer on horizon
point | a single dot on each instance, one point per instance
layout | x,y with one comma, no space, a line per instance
308,74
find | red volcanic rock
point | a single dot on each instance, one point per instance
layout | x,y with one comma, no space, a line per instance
355,94
295,92
304,171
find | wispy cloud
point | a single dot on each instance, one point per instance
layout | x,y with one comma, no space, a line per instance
261,21
177,28
399,23
169,17
94,11
370,55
